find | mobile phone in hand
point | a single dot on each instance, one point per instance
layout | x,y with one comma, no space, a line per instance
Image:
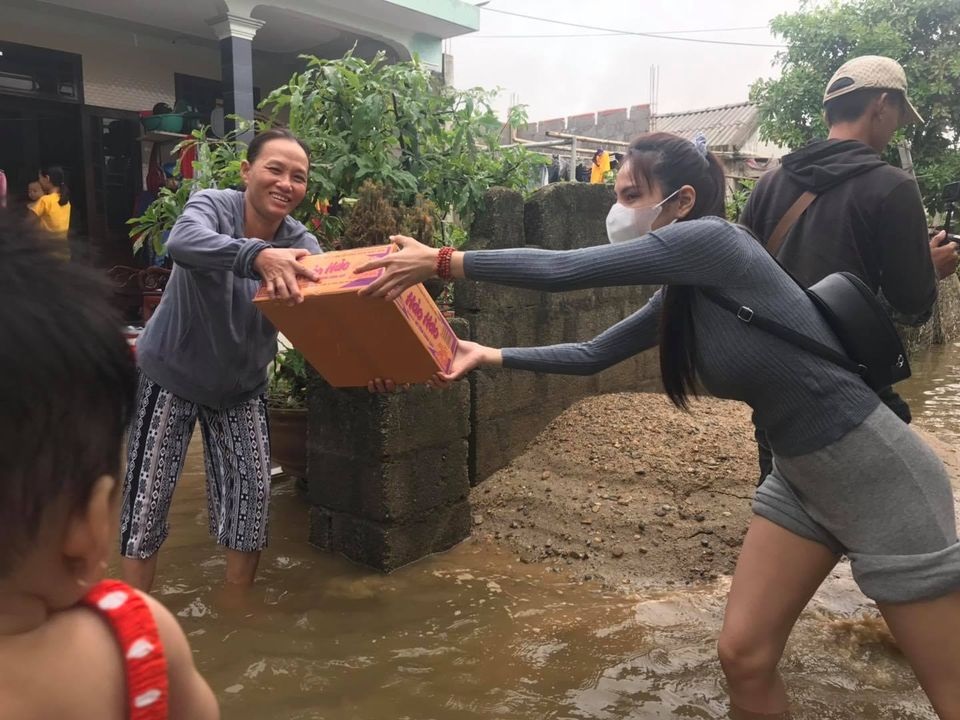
950,237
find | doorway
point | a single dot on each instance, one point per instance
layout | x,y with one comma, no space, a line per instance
35,134
113,178
41,93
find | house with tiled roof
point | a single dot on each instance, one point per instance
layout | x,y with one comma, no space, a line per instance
732,132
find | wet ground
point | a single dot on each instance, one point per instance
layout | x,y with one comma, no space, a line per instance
934,391
473,633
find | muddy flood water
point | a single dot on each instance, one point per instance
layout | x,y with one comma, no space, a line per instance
475,634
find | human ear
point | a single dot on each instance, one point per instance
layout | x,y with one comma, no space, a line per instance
86,542
686,199
880,106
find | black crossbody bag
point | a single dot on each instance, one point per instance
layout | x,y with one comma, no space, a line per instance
873,347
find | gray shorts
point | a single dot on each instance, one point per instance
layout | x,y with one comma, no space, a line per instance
880,496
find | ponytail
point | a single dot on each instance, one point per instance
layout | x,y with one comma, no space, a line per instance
58,179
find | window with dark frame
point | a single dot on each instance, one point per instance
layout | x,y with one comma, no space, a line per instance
41,73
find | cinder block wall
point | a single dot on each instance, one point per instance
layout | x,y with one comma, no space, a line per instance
509,408
389,476
616,124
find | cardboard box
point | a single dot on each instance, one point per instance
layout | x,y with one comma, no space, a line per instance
350,339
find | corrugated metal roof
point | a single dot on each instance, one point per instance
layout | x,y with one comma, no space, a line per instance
726,127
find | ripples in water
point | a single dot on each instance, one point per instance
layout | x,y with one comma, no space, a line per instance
933,391
473,634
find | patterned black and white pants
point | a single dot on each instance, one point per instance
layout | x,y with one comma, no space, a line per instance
236,450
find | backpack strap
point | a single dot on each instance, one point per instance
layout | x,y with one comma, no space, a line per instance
788,220
748,316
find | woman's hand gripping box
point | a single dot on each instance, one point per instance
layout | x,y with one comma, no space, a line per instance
350,339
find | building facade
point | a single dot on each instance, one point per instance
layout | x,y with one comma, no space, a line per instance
75,75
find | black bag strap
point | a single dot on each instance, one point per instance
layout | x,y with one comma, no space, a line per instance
748,316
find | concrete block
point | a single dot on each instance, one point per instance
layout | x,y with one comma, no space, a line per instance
530,131
499,393
948,306
388,546
401,488
640,373
609,118
578,124
387,456
527,328
553,125
640,113
489,297
355,423
499,440
499,224
567,216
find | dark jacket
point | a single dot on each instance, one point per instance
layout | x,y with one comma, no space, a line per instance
867,219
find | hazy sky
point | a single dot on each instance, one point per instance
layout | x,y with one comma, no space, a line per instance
558,76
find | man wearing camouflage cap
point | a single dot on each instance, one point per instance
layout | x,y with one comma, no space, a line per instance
835,205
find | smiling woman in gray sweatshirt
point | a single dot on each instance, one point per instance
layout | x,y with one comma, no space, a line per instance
204,356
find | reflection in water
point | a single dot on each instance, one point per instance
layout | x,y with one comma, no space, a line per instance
934,390
473,634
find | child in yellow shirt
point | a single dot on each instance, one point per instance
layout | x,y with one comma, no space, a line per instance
34,193
600,166
53,208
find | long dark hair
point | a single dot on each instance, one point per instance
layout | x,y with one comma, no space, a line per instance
58,179
670,162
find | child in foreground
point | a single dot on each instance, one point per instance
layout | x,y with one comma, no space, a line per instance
72,645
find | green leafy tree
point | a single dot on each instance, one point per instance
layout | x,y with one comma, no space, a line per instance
923,35
737,198
398,126
395,126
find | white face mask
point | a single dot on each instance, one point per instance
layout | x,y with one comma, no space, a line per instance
625,223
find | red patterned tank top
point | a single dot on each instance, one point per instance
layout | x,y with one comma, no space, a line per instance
145,666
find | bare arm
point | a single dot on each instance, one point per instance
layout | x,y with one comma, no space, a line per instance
190,696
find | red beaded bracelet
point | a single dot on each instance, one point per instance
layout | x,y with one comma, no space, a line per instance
443,263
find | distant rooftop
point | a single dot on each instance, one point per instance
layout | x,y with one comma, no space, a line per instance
727,127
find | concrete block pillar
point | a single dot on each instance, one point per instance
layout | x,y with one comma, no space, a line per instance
387,474
236,33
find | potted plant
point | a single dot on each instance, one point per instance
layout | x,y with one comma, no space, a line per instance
287,411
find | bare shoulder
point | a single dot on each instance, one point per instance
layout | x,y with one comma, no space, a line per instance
82,673
190,695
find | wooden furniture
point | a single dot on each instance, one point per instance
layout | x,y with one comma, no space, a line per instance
137,291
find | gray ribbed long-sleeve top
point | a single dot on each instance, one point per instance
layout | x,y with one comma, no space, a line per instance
802,401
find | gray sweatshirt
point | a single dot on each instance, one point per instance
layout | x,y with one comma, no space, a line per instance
207,342
802,401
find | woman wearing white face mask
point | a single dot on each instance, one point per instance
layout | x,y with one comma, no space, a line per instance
849,477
